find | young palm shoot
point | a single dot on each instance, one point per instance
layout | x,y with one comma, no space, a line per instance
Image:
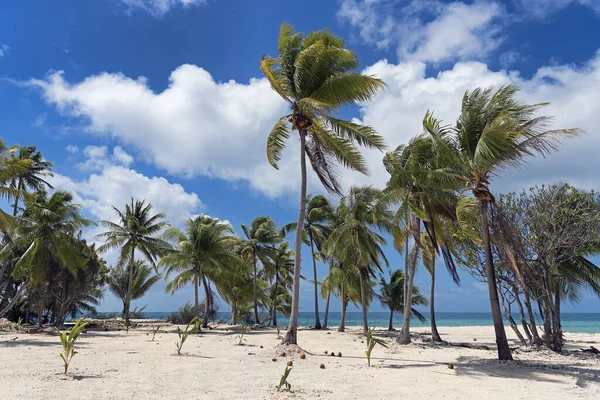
245,330
283,381
19,324
371,343
68,339
183,334
279,333
155,331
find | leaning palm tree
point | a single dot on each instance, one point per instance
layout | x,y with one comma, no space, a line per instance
205,252
46,232
318,212
495,131
135,231
119,283
315,75
392,296
33,177
261,237
356,241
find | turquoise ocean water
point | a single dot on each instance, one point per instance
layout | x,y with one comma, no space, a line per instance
572,322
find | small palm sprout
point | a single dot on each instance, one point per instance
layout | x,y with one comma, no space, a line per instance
279,333
155,330
283,381
19,324
371,343
183,334
68,339
245,330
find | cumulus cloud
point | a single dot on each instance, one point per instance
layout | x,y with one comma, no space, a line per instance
160,7
428,31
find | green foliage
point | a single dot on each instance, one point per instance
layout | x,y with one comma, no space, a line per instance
19,324
155,331
184,315
183,334
68,339
392,294
371,343
143,278
283,381
245,331
279,332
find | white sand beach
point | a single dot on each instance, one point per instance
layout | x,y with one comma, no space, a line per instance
120,365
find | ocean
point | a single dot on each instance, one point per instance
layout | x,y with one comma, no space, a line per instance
571,322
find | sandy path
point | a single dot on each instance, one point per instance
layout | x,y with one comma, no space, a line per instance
119,365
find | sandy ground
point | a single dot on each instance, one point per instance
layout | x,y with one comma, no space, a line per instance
120,365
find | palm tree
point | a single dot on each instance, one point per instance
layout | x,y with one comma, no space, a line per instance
130,284
33,177
11,167
261,236
239,290
204,253
281,267
355,240
135,230
494,132
314,74
318,211
46,231
392,296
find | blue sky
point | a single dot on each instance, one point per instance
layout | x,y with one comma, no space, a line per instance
163,99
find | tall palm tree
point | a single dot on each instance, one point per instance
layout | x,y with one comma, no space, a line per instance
47,232
135,230
11,167
315,75
204,253
143,279
33,177
356,240
392,296
318,212
261,236
239,291
494,132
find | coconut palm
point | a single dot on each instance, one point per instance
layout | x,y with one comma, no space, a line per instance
280,270
356,241
314,75
130,284
261,236
239,290
135,231
495,131
46,233
33,177
204,253
392,296
318,212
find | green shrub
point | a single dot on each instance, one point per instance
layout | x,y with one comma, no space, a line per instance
184,315
68,339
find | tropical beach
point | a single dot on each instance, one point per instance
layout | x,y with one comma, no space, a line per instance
319,226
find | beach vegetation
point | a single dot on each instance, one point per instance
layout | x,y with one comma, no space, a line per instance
68,340
183,334
372,341
283,382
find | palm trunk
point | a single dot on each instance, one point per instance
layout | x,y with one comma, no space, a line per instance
342,326
14,300
391,326
275,299
326,318
196,299
291,336
16,207
317,319
129,287
363,300
234,313
435,335
557,331
404,337
256,320
532,325
207,302
501,341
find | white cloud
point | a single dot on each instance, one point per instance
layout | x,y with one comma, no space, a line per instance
195,126
572,90
160,7
3,49
428,31
121,156
545,8
72,149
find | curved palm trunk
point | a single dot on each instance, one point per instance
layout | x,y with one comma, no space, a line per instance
129,287
16,207
363,300
326,318
196,299
207,302
391,326
317,319
275,299
409,276
501,341
435,336
291,336
342,326
256,320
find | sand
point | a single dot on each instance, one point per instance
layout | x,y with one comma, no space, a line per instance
120,365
